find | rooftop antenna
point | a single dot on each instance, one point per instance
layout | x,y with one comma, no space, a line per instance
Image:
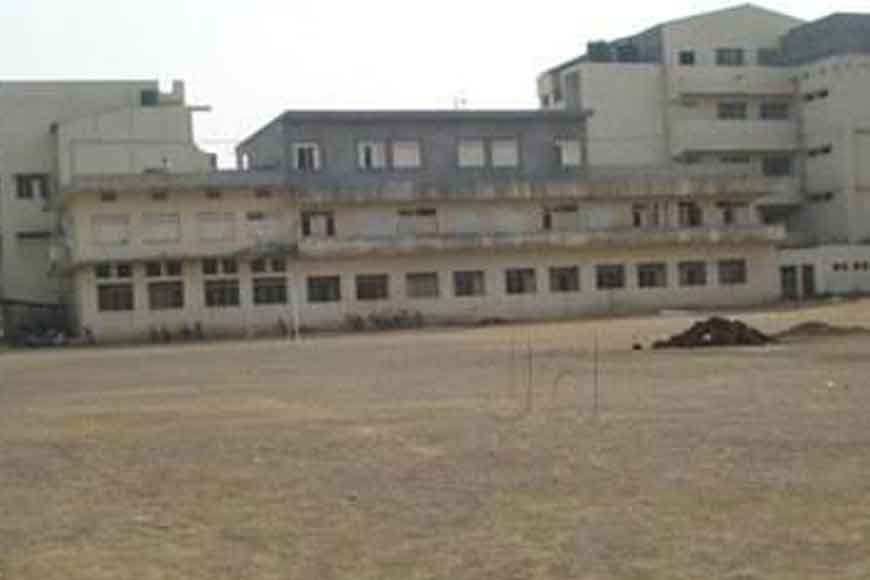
460,101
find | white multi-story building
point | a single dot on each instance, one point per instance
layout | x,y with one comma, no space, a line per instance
52,131
349,219
754,90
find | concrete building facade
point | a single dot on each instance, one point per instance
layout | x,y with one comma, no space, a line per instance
750,89
348,219
52,131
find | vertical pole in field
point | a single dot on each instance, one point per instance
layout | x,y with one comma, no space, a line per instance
529,374
595,373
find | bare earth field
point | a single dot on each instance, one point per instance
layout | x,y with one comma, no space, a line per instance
425,455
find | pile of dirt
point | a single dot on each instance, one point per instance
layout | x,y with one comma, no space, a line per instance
815,328
716,332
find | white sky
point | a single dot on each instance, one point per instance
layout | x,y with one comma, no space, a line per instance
252,59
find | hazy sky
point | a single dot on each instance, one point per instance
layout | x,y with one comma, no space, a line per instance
252,59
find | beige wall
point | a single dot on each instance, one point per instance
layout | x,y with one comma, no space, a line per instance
496,303
130,141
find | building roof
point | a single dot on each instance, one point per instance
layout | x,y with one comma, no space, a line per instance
426,116
699,16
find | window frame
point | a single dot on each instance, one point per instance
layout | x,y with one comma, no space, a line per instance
323,289
722,268
658,278
372,287
559,274
173,288
518,281
603,273
687,271
469,283
429,277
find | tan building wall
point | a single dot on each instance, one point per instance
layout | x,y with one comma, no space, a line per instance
446,308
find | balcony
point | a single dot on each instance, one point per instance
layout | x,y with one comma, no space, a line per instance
409,245
732,81
734,136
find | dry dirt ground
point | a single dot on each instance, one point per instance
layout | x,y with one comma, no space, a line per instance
426,455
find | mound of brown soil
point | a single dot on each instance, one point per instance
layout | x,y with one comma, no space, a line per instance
716,332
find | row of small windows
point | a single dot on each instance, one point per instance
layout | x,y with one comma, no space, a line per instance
739,110
221,290
863,266
731,57
374,155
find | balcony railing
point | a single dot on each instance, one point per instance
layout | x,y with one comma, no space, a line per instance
628,237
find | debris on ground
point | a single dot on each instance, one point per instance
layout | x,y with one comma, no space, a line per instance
716,331
815,328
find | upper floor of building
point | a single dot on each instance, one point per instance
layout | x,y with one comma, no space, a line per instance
373,149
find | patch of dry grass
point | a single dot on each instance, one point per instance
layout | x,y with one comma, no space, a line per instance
416,455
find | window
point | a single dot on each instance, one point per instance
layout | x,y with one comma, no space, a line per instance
215,267
469,283
823,150
221,293
776,166
372,287
115,297
110,230
774,111
419,221
690,215
270,290
568,153
160,228
305,157
166,295
406,155
213,194
103,271
371,155
505,153
123,271
687,58
216,226
693,273
652,275
108,197
472,153
521,281
324,289
262,193
173,268
731,110
422,285
730,57
732,213
732,272
563,218
650,215
210,267
160,196
149,98
565,279
153,269
610,276
229,266
32,186
261,265
318,224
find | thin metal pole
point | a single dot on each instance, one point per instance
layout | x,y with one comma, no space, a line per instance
529,374
595,374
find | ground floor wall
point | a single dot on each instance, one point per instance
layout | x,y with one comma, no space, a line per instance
835,270
529,292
